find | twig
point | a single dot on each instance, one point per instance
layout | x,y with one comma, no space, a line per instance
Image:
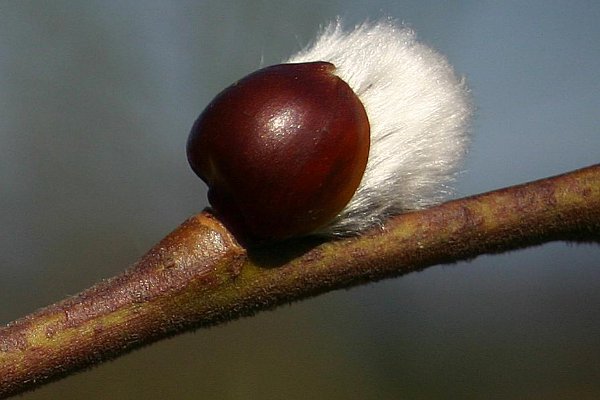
199,275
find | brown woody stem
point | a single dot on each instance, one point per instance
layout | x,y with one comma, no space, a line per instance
199,275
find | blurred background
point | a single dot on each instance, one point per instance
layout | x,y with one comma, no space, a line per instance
97,99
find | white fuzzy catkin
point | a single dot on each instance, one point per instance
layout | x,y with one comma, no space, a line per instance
419,112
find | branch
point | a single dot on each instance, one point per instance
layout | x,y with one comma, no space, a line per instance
199,275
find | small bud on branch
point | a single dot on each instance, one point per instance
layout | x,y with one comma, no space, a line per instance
360,125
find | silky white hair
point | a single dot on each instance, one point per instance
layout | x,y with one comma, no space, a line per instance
419,112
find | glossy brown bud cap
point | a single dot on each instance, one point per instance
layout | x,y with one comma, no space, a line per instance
282,150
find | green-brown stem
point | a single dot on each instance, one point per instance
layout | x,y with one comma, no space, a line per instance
199,275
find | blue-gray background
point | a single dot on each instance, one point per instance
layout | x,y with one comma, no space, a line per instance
97,98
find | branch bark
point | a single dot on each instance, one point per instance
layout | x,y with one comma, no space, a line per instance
200,275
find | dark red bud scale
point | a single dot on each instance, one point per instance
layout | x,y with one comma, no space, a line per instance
282,150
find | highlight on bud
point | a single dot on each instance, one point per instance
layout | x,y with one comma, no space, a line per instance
360,125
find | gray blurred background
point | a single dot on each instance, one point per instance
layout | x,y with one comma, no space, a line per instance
96,101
